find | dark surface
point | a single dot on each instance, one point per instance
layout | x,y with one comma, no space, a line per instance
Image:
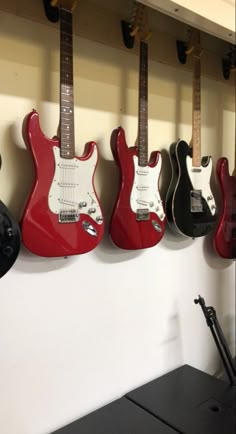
119,417
190,401
178,209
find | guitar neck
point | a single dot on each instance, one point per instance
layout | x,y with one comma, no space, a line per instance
196,116
143,106
67,146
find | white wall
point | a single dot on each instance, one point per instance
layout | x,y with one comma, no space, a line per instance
77,333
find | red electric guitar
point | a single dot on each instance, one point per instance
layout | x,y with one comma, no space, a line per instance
138,220
225,236
63,215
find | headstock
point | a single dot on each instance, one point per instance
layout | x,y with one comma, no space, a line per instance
140,23
67,4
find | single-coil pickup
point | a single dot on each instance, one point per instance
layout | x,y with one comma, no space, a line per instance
67,166
67,184
142,172
142,202
146,202
142,187
68,202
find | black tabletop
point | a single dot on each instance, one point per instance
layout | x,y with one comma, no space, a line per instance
119,417
190,401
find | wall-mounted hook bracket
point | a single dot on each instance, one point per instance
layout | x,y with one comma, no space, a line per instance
51,12
182,51
128,38
229,63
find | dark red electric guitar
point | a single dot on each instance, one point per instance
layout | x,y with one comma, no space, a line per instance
63,216
225,236
138,220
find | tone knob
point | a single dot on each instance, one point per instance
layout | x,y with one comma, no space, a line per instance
82,204
99,219
92,210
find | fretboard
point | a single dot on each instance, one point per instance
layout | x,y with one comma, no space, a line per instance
196,119
143,106
67,146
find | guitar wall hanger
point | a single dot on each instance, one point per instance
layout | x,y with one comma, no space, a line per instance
51,12
126,29
185,49
229,63
130,28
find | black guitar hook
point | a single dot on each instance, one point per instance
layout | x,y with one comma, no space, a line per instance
51,12
229,63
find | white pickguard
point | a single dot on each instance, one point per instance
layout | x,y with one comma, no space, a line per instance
145,194
72,188
201,181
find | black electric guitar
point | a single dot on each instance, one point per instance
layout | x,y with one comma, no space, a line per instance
190,205
9,239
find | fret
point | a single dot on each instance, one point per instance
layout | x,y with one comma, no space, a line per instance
67,147
143,106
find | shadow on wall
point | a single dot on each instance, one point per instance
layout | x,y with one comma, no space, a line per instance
172,344
29,263
213,259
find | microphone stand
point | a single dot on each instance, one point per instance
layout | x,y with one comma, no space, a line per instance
222,346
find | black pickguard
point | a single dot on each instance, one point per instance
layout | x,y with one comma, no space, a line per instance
178,207
9,240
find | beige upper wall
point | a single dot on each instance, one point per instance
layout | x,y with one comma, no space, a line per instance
213,16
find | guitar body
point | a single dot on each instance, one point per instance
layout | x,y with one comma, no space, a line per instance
42,232
125,230
185,180
225,236
9,240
